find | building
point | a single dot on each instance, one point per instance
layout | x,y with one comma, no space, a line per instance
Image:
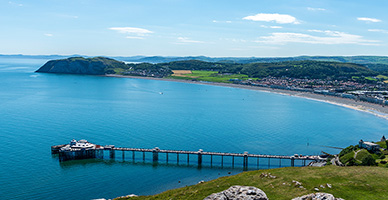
368,145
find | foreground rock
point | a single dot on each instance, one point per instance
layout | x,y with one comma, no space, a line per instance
240,193
317,196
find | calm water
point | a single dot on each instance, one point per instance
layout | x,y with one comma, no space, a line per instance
40,110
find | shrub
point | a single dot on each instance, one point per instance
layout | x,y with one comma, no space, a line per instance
352,162
383,162
368,161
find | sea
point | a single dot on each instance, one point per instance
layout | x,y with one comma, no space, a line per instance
39,110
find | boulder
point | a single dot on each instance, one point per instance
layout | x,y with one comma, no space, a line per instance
239,193
317,196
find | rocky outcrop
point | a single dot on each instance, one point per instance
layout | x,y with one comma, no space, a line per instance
317,196
80,65
240,193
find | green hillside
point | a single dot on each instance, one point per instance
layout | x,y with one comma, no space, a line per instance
346,182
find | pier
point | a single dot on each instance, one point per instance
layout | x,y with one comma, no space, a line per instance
84,150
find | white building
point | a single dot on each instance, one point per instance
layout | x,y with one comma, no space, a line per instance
368,145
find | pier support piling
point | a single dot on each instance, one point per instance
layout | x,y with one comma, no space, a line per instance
155,155
292,161
258,162
245,162
233,161
112,154
269,163
199,159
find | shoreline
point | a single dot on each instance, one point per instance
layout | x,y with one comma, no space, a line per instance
374,109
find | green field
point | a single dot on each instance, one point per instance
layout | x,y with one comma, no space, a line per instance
211,76
347,183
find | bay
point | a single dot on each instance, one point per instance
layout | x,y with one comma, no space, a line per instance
41,110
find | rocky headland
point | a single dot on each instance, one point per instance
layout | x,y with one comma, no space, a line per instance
80,65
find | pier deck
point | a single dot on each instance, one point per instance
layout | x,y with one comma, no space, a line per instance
98,152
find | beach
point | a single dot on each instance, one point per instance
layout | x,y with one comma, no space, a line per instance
375,109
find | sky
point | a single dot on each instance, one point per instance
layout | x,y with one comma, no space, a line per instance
215,28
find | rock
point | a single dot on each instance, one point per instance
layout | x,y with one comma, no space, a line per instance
296,183
316,189
328,185
201,182
322,186
317,196
264,175
239,193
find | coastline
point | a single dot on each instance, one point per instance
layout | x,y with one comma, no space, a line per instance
375,109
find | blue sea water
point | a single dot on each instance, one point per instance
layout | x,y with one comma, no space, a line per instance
41,110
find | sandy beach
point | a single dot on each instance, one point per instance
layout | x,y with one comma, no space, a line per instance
375,109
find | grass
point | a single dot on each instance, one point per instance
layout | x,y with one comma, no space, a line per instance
362,154
370,78
347,182
382,77
210,76
347,157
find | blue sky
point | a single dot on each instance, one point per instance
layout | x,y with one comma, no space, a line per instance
217,28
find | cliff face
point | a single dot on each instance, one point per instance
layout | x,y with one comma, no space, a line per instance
79,65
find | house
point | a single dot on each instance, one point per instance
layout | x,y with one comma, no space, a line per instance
368,145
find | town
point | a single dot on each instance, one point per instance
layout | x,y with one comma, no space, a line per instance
374,92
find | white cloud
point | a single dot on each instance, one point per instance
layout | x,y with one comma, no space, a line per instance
48,34
329,37
367,19
188,40
131,30
315,9
216,21
134,37
275,17
378,30
15,4
233,40
264,26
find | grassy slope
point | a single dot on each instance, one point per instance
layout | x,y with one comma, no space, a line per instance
347,182
211,76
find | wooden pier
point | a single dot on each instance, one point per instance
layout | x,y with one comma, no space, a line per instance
98,152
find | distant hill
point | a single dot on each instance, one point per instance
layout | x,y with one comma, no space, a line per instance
293,69
80,65
244,60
